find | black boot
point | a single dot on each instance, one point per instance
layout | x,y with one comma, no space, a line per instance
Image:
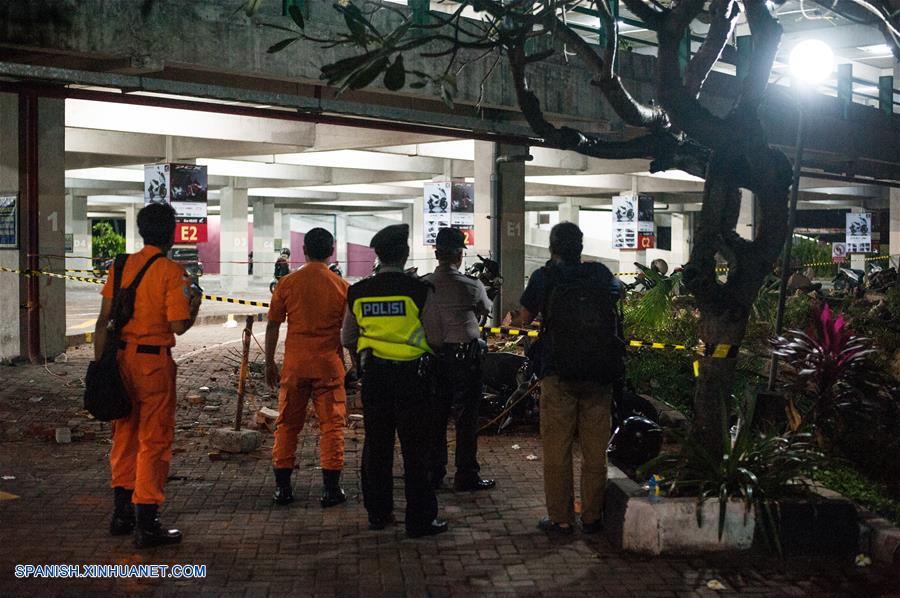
332,493
123,515
284,494
149,532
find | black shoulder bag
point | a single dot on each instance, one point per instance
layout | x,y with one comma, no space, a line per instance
104,396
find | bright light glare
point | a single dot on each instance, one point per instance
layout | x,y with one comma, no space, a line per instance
812,61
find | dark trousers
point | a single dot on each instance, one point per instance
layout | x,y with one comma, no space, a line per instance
395,399
458,390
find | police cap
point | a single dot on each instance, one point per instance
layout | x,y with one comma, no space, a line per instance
390,237
450,238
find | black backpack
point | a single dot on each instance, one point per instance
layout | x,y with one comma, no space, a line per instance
582,326
105,396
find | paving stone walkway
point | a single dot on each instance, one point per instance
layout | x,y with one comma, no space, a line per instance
55,505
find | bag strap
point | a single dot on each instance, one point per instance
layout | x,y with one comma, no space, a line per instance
118,267
140,275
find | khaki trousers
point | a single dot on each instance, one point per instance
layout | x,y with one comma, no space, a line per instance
570,409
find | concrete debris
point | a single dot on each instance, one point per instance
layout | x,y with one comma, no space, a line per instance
212,407
715,584
234,441
863,560
63,435
195,398
355,417
266,417
7,477
203,389
35,399
516,447
532,457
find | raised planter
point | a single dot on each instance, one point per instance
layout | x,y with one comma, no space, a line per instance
634,524
817,527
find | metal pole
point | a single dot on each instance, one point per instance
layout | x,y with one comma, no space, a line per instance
788,244
242,376
28,175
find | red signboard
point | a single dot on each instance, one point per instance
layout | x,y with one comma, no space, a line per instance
190,232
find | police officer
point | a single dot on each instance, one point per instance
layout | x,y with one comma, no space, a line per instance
460,301
390,326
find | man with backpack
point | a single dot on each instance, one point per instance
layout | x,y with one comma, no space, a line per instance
149,299
580,353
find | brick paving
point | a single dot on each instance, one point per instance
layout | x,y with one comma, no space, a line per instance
251,548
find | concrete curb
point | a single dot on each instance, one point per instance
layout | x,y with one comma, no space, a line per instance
84,338
878,537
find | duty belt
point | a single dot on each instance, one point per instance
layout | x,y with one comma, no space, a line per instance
148,349
470,351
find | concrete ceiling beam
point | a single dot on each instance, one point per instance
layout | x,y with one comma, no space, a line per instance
154,120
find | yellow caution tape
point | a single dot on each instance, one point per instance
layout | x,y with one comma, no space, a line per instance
236,301
696,368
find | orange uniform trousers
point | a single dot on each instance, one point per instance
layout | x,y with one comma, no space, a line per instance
330,402
142,442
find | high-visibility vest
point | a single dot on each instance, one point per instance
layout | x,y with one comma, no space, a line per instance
387,310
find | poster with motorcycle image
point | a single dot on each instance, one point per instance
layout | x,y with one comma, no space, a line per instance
185,187
446,204
859,232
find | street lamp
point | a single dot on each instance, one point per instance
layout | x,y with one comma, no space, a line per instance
811,63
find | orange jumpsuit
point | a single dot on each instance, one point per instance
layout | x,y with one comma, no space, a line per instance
313,300
142,442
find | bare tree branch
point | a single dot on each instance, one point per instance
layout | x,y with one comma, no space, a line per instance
724,18
664,149
766,32
626,106
644,12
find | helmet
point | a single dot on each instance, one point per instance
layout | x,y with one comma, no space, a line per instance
635,442
660,266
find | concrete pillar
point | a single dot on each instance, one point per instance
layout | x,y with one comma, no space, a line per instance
278,229
681,239
512,228
568,211
133,240
285,230
894,233
51,231
484,167
263,239
12,285
747,218
340,240
233,236
79,227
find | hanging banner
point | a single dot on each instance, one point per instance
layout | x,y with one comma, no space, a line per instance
838,253
859,232
632,222
185,187
9,221
449,204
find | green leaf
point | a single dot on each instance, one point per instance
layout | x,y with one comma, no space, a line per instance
356,23
296,15
343,68
251,6
395,76
368,74
281,45
418,84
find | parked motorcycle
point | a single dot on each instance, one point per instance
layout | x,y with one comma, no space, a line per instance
848,280
880,279
487,271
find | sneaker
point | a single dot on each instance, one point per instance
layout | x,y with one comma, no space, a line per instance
438,526
551,527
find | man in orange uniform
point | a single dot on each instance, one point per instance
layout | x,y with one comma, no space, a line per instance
164,306
313,300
